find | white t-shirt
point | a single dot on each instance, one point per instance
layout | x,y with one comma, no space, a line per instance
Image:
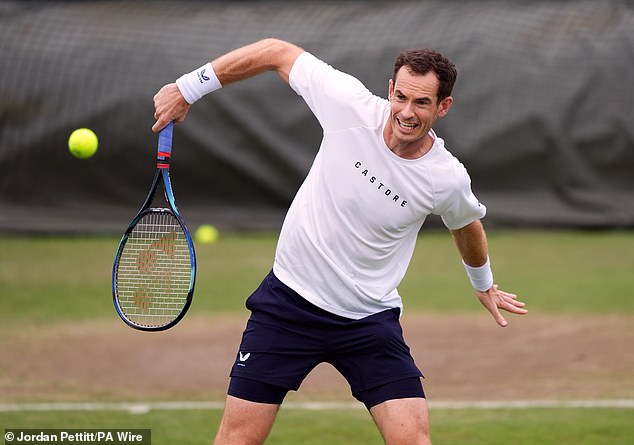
350,232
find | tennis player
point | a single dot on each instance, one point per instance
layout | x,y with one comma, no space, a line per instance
348,237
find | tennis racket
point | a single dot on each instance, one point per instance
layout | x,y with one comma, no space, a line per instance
155,265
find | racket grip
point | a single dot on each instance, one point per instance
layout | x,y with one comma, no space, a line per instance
165,140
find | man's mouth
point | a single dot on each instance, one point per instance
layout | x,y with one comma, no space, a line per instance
406,125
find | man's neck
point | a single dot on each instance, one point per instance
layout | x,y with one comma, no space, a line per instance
411,150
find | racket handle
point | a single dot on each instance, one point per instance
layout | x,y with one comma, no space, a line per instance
165,141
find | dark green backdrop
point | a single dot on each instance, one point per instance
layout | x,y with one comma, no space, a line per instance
543,115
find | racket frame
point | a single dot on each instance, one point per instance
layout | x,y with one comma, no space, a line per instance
161,175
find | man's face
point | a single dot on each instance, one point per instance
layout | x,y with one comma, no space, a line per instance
414,105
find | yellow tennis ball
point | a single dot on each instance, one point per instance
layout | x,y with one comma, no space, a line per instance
83,143
206,234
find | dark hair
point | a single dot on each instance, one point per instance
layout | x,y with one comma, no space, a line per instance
422,61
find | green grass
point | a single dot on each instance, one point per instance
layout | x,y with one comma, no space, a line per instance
533,426
45,280
552,271
337,427
49,280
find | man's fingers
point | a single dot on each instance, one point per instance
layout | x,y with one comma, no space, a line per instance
495,299
515,310
497,316
492,307
168,105
159,125
510,303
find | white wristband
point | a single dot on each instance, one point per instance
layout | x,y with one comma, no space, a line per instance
199,82
481,277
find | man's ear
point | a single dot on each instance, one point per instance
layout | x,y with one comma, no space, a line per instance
390,89
445,104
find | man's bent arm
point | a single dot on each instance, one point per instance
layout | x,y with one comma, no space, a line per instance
251,60
242,63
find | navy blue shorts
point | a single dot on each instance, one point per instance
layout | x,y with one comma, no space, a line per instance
287,336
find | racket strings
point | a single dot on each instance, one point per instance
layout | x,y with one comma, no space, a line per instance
154,271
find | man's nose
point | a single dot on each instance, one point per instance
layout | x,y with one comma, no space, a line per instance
407,111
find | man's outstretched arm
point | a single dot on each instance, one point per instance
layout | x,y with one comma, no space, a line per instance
472,244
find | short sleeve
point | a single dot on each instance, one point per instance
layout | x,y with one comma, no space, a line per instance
459,205
338,100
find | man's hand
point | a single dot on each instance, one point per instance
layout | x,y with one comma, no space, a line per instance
169,105
495,299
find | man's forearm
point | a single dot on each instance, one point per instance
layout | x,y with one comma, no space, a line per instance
255,58
472,244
